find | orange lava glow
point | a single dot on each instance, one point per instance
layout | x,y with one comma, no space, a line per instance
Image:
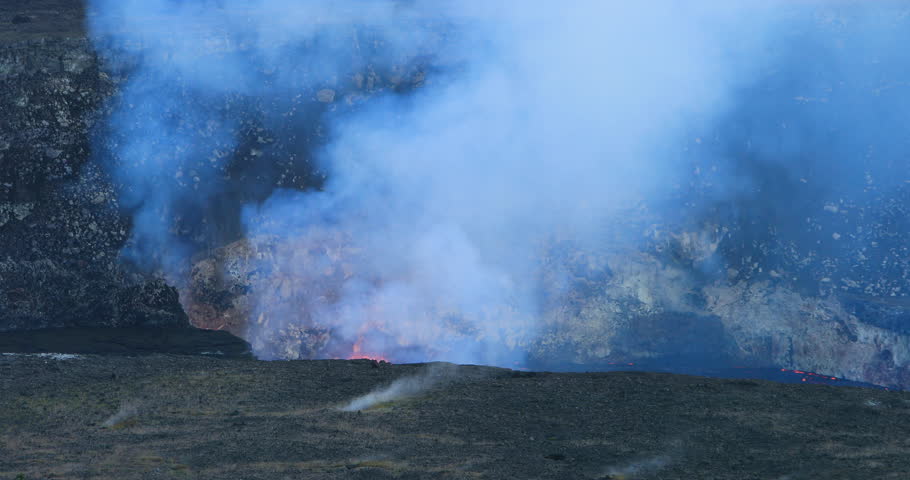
809,375
357,353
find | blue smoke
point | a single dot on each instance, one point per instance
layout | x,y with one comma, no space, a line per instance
203,80
528,126
557,126
812,155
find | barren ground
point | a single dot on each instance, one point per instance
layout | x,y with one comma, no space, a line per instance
162,417
195,417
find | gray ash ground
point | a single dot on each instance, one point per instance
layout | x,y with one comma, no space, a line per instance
166,416
170,416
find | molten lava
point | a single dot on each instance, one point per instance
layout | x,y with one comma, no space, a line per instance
357,352
810,377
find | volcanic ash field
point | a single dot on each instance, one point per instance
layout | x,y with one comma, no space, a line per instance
179,417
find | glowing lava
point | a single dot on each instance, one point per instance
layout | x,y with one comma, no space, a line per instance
357,353
810,377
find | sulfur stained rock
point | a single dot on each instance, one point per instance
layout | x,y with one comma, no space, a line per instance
757,323
780,327
326,95
643,309
240,286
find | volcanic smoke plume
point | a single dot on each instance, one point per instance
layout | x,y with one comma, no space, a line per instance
435,375
433,204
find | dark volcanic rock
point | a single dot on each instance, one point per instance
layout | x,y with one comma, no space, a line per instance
151,304
125,341
41,19
41,294
62,224
892,313
61,228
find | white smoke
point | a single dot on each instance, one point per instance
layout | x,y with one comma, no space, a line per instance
127,411
538,120
638,469
432,376
563,119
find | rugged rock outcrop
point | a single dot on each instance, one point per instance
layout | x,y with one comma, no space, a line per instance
61,228
634,307
658,311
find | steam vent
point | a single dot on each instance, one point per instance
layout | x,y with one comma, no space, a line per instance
408,239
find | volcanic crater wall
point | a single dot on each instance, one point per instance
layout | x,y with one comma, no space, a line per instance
64,224
794,268
61,229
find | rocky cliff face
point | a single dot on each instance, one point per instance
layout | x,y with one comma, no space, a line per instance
60,224
63,223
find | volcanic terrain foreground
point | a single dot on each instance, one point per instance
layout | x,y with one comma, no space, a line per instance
195,417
